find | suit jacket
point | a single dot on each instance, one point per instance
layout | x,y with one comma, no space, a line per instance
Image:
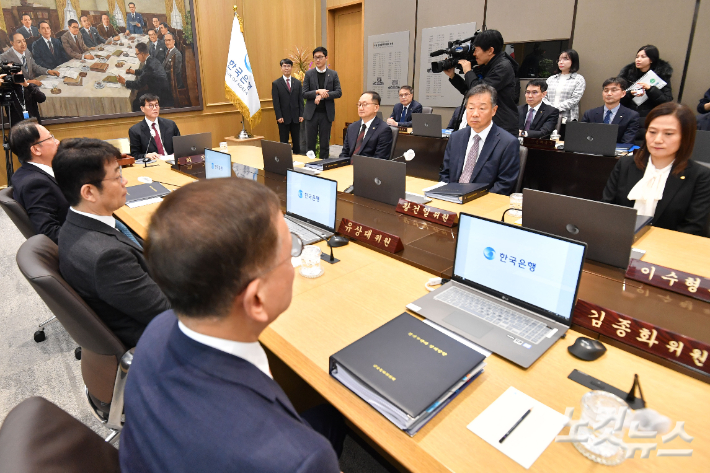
685,205
455,115
543,123
704,122
31,95
109,272
152,78
25,33
223,413
287,105
133,29
310,85
106,32
498,161
74,49
377,142
627,119
176,56
413,107
142,142
158,50
33,69
45,57
38,193
91,38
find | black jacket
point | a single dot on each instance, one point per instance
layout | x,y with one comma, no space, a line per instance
287,105
656,96
158,51
44,57
500,73
109,272
377,142
543,123
152,78
92,38
627,119
31,96
142,142
38,193
703,101
310,86
704,122
686,198
413,107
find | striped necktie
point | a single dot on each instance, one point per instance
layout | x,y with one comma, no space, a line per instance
121,227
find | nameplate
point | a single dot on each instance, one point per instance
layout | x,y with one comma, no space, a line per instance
382,240
643,335
127,161
431,214
671,279
195,159
538,143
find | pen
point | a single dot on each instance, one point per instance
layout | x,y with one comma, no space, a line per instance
515,426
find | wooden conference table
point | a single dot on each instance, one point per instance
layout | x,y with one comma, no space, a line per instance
349,301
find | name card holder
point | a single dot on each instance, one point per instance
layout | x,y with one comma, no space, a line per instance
538,143
126,162
671,279
382,240
195,159
431,214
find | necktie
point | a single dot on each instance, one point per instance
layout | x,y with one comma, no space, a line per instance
121,227
607,117
24,64
404,115
358,143
470,161
288,84
528,122
51,48
158,144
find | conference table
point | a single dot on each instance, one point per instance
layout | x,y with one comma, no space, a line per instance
368,288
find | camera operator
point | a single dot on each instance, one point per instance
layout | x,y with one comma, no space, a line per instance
22,95
495,68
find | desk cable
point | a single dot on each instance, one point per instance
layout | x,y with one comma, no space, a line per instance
435,282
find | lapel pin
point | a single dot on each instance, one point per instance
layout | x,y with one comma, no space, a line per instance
682,177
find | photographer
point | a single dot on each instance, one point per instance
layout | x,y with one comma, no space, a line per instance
495,68
24,96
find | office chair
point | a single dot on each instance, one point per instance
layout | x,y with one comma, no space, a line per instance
38,436
395,135
104,359
427,110
523,161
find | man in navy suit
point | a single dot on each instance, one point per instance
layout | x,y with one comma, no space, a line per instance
402,112
613,112
201,396
369,136
48,51
135,20
536,119
320,87
288,105
482,152
27,30
34,185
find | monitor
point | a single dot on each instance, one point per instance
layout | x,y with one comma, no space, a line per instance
217,164
311,198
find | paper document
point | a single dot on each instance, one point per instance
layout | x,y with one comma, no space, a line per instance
650,78
69,73
534,434
50,84
141,203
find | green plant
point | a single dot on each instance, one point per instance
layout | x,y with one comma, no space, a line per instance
113,22
187,28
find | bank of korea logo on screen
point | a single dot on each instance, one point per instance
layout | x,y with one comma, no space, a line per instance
300,194
489,253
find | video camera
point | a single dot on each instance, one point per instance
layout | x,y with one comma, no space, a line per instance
457,50
14,74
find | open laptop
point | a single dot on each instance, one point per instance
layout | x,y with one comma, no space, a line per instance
591,138
190,145
701,150
278,158
426,124
513,289
382,180
218,164
608,229
311,202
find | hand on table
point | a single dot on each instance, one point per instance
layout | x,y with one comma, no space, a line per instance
89,57
121,80
392,122
35,82
130,71
151,156
116,38
53,73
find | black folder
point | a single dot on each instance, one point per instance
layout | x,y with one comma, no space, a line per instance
145,191
459,193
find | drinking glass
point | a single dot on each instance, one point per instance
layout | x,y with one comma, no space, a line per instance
604,413
310,262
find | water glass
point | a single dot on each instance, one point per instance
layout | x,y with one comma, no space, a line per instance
604,413
223,147
516,209
310,262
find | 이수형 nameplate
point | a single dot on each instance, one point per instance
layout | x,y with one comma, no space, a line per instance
431,214
371,236
666,278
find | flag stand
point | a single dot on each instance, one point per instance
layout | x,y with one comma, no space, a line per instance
243,135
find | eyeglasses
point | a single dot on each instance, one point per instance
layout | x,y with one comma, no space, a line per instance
364,104
120,175
152,106
296,250
532,92
405,95
318,57
51,137
614,90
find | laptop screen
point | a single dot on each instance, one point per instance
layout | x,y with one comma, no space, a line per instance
311,198
217,164
534,268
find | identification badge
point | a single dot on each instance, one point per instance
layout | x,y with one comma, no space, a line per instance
25,115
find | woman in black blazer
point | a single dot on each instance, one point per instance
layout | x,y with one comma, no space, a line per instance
661,180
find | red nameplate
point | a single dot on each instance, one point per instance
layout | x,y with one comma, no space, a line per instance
360,232
642,335
432,214
666,278
198,158
538,143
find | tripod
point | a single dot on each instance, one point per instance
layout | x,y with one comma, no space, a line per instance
9,165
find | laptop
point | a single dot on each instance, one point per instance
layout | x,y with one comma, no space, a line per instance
218,164
513,289
608,229
382,180
426,124
591,138
278,158
311,202
701,150
190,145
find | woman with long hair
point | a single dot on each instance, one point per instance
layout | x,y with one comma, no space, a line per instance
647,59
566,87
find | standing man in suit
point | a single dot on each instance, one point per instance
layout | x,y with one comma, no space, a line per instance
369,136
48,51
402,112
199,370
34,185
18,54
106,29
483,152
320,87
172,54
536,119
145,144
27,30
135,20
613,90
98,255
89,34
156,27
73,43
151,78
288,105
156,47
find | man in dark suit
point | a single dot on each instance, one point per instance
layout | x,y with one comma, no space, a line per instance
320,87
455,116
156,27
106,29
34,185
369,136
73,43
402,112
24,103
18,54
151,78
89,34
48,51
172,54
288,105
156,47
199,370
135,20
613,112
27,30
536,119
152,137
98,255
482,152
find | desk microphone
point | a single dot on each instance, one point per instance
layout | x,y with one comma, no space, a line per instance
408,155
148,160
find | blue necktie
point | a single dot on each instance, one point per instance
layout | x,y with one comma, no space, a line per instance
607,117
121,227
404,115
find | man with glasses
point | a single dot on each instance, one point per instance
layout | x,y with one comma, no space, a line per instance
152,137
536,119
612,112
18,54
199,371
98,255
402,112
368,136
288,105
150,77
320,87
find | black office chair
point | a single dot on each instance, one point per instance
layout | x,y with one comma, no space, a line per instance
395,135
427,110
523,161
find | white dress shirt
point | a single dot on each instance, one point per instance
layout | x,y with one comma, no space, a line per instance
157,127
252,352
321,71
483,134
288,80
43,167
107,219
614,111
464,120
649,190
18,54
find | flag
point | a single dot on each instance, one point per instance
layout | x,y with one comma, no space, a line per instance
239,84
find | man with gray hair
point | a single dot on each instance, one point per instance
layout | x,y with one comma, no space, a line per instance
482,152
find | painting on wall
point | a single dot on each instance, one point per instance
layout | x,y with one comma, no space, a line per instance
93,59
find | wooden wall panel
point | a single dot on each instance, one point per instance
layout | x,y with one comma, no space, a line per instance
697,81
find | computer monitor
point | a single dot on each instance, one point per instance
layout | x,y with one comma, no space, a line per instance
312,199
217,164
191,145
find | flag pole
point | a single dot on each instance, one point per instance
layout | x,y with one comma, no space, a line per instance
243,135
